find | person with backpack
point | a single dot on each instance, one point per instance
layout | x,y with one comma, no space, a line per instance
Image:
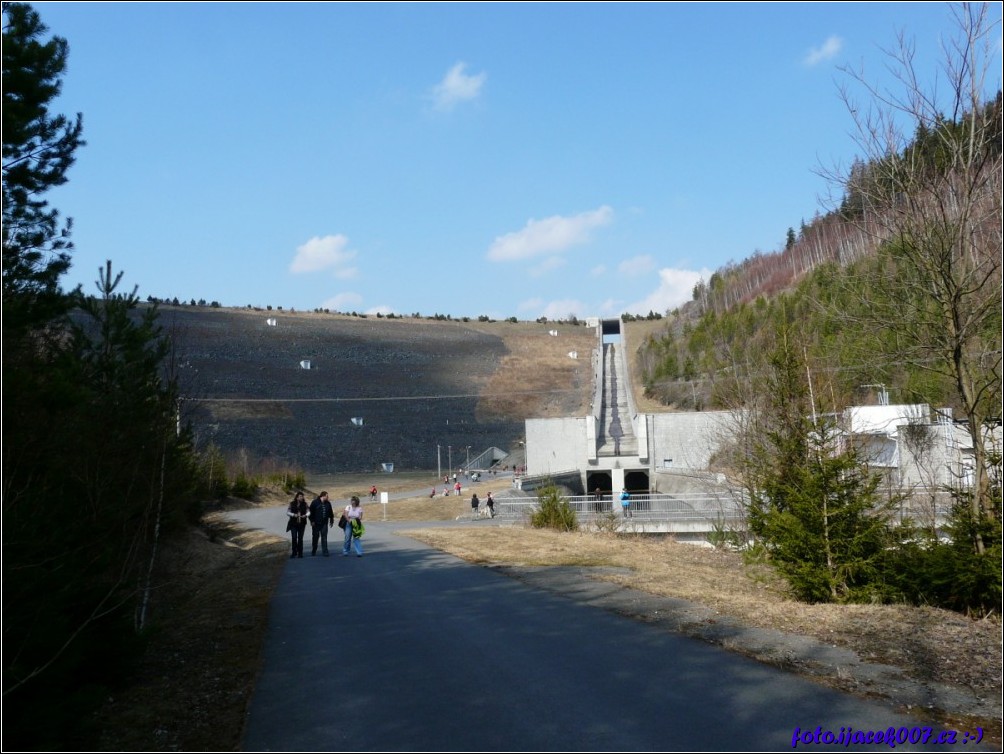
490,502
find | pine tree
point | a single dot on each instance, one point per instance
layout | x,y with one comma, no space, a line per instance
38,150
814,504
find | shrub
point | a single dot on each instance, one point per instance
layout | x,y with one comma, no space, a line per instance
243,486
950,573
553,512
288,481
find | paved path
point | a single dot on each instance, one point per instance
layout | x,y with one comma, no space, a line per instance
408,648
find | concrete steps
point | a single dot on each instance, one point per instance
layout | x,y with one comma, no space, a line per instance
616,433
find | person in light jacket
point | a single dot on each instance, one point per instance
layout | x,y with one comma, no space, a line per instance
353,529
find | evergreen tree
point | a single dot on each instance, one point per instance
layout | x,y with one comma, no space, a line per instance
813,503
92,464
38,150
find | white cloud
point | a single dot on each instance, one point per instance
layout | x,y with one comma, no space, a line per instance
323,253
676,287
639,265
563,309
552,234
381,309
610,306
530,304
551,263
342,302
456,87
598,271
828,50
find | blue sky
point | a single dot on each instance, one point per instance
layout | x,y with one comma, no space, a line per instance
501,159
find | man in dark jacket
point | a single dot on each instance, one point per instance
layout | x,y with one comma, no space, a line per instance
322,517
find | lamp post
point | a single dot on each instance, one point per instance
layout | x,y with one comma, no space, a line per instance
468,464
439,463
449,459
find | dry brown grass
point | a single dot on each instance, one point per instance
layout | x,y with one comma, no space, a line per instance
537,378
208,616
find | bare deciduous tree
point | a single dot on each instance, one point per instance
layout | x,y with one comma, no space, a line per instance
929,193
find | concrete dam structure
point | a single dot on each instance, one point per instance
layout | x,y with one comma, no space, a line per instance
664,460
615,447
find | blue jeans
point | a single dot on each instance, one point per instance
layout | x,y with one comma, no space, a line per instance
350,540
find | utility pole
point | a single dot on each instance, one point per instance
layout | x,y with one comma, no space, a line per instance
439,463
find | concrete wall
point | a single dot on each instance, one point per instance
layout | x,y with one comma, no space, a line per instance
687,440
554,445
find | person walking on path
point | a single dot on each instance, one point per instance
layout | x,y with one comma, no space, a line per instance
475,504
354,527
490,502
456,488
626,503
322,518
297,523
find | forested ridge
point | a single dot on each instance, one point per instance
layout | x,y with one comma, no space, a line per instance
831,274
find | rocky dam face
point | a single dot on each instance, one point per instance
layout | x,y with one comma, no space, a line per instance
336,393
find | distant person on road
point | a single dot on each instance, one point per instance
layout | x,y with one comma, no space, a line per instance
433,493
490,502
475,505
626,503
297,513
457,488
354,528
322,518
373,492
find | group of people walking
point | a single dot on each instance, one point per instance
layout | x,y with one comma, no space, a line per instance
321,516
476,505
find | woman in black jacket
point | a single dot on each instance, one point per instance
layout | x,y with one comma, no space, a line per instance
297,513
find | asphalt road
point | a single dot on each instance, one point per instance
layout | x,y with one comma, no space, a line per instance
410,649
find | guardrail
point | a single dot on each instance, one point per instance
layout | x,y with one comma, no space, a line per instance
686,508
691,512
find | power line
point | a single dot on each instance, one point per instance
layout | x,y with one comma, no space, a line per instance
380,398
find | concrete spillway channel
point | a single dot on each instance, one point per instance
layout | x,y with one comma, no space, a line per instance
616,429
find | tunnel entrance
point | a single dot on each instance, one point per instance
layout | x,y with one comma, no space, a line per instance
610,327
599,487
636,481
599,480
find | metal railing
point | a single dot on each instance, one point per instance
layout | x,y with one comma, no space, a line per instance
654,507
713,510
